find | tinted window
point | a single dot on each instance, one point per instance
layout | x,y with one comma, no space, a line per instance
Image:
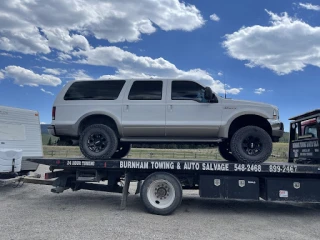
186,90
94,90
146,90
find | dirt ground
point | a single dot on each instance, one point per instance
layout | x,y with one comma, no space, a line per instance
33,212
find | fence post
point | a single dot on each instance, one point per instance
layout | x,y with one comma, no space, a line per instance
52,153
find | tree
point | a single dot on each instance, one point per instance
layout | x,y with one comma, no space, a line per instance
50,142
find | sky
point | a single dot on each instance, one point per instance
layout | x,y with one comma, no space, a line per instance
265,51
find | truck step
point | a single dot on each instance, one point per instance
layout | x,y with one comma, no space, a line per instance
173,140
87,176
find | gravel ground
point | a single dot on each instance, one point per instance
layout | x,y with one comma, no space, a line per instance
33,212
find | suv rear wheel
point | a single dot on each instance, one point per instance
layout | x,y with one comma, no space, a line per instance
251,144
98,141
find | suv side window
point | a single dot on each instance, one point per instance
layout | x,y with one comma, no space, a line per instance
146,90
187,90
95,90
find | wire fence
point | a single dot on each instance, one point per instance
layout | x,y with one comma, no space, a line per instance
163,154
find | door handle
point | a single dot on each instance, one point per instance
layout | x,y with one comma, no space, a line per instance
170,108
126,108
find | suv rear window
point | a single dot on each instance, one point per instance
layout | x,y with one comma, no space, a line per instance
95,90
146,90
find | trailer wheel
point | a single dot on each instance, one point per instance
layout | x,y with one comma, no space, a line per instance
225,151
161,193
98,141
122,151
251,144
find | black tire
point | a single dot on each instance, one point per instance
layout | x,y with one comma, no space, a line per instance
225,151
122,151
109,145
175,189
251,144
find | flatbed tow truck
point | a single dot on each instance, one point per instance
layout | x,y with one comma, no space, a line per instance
161,182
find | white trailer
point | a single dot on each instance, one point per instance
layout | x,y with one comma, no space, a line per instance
20,131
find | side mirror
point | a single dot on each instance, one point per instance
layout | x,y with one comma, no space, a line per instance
208,94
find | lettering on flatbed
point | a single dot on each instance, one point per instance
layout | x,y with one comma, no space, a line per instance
194,166
81,163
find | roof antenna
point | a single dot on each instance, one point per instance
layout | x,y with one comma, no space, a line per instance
224,85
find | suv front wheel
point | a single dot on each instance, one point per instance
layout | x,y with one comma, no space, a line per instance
98,141
251,144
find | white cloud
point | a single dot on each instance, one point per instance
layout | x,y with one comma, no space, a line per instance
215,17
220,73
64,56
55,71
259,91
310,6
9,55
30,26
79,75
286,45
1,75
27,77
129,65
47,92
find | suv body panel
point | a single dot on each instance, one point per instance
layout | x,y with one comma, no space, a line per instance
165,118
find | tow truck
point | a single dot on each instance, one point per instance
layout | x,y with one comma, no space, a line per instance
160,182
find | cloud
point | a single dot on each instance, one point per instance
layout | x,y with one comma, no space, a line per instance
47,92
129,65
31,27
214,17
310,6
9,55
1,75
79,75
25,77
285,46
220,73
259,91
54,71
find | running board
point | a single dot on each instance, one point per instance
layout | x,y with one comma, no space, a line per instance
171,140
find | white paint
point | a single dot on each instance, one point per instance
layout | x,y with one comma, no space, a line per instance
12,132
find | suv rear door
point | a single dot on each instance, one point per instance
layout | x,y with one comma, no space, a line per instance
143,109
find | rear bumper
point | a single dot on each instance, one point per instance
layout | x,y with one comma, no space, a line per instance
52,130
63,130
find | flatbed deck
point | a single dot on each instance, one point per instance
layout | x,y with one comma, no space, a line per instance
271,181
208,166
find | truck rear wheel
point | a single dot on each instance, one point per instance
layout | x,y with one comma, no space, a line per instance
251,144
98,141
161,193
122,151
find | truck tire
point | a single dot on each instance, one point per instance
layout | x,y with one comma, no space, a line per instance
161,193
98,141
251,144
122,151
225,151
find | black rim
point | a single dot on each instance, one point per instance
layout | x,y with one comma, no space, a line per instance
97,142
252,145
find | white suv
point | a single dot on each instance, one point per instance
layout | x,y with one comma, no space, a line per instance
107,116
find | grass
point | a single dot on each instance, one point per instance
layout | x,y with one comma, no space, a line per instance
279,153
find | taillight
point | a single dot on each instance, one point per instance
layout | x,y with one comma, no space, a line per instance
53,113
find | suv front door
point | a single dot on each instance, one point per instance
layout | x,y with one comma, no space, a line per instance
143,109
188,113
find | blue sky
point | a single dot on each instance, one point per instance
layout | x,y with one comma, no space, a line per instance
266,51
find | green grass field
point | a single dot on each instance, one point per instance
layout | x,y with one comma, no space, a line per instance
279,153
